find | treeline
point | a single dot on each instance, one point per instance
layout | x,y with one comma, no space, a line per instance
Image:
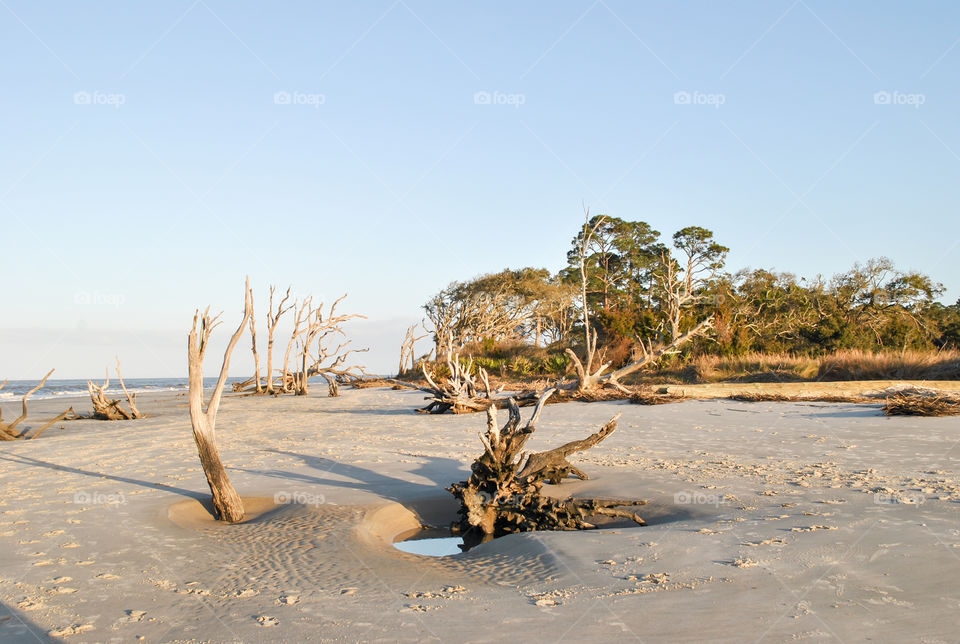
641,289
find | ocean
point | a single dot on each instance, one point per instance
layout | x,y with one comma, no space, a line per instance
15,389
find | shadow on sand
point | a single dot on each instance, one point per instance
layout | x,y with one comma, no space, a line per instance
15,628
36,462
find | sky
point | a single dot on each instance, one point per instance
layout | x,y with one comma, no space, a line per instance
153,154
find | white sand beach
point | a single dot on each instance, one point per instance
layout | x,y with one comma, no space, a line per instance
767,522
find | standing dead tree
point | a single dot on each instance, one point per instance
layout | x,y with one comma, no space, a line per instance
407,349
677,296
273,319
338,370
106,409
588,376
504,492
253,341
461,391
322,329
8,432
226,502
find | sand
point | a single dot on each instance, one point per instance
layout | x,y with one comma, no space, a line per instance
768,522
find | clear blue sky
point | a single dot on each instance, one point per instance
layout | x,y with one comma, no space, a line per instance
386,178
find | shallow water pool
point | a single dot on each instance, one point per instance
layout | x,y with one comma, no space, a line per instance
431,546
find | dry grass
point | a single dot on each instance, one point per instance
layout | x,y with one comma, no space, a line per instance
838,366
775,397
913,403
902,365
372,382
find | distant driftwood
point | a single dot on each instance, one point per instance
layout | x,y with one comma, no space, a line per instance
311,327
9,432
106,409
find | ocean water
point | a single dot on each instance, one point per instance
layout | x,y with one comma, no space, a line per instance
15,389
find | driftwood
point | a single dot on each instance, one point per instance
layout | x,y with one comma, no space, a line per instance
407,349
106,409
253,341
592,369
312,334
504,492
273,320
8,432
461,392
226,502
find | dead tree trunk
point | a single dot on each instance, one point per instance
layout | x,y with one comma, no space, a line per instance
253,342
131,398
226,502
8,432
504,491
287,381
273,319
407,350
653,354
587,377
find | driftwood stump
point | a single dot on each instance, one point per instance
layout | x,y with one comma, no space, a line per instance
106,409
504,492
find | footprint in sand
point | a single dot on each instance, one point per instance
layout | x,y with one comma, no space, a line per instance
75,629
133,616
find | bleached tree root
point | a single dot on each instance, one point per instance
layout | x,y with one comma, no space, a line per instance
461,393
504,492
